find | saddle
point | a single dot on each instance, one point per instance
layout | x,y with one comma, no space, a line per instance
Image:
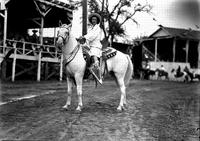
107,53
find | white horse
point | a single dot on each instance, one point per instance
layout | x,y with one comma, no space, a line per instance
75,66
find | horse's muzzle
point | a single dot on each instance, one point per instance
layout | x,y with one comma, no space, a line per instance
59,42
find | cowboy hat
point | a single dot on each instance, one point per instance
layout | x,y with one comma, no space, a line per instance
34,31
94,15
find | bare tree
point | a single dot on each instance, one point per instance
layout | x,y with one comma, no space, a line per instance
117,15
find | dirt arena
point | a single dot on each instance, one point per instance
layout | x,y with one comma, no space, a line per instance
156,111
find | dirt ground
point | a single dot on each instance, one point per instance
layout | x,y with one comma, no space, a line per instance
156,111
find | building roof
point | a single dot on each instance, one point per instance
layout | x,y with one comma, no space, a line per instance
176,32
28,13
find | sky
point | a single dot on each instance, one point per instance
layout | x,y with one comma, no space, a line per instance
170,13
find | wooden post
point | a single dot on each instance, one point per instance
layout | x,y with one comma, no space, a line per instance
40,50
39,66
46,70
174,49
84,14
5,29
187,49
41,30
14,63
199,54
54,39
3,69
156,49
61,68
24,45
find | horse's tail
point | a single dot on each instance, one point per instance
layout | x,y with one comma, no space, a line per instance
129,71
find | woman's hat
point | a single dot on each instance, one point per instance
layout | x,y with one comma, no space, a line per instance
94,15
34,31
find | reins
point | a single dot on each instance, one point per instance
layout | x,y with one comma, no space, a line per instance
72,55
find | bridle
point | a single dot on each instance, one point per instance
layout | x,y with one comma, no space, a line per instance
65,37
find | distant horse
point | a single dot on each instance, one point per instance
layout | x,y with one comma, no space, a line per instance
192,75
178,74
147,73
162,73
197,76
75,66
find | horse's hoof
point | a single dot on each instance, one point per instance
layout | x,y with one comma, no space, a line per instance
65,107
78,109
121,108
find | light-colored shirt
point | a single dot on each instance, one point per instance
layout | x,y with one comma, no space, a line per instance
93,36
162,68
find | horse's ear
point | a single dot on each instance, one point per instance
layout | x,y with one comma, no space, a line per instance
70,25
77,39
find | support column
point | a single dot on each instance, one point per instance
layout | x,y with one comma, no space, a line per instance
187,49
84,14
61,68
46,70
39,66
199,55
156,49
174,49
41,30
5,29
14,63
40,50
3,69
54,37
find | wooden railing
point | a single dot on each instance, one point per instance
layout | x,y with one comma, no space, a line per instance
30,49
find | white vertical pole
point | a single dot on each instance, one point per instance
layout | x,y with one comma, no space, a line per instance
61,67
5,28
41,30
54,39
39,66
14,63
40,50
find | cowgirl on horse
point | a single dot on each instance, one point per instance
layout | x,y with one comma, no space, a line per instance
75,65
93,38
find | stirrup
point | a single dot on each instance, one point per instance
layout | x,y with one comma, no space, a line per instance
96,73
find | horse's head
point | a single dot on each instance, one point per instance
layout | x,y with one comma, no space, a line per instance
63,35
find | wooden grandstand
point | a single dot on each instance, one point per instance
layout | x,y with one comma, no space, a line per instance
23,59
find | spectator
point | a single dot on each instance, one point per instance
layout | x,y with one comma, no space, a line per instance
34,37
162,68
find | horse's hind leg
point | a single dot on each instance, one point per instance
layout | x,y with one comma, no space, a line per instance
123,94
69,93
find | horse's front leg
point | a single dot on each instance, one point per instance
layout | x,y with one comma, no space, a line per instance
79,82
69,93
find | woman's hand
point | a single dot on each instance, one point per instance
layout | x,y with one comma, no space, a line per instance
81,40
